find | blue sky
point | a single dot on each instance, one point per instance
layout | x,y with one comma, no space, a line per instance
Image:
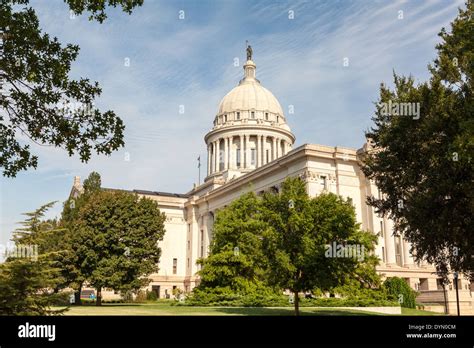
189,62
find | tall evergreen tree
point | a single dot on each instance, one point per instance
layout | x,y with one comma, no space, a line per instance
31,277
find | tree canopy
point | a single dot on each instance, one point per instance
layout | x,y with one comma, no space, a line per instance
281,241
39,102
31,277
115,240
424,165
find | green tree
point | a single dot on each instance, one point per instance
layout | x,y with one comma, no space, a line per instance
26,287
92,184
115,240
280,241
40,100
424,165
399,290
31,277
47,236
71,265
306,242
236,259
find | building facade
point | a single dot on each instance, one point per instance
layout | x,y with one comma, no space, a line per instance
251,147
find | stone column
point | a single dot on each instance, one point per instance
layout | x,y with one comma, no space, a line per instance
241,151
278,144
285,147
226,153
247,151
231,152
213,167
264,150
389,243
274,149
407,258
218,155
259,151
209,147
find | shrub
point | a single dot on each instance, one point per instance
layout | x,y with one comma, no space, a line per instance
141,296
151,296
398,289
127,297
347,302
117,300
224,296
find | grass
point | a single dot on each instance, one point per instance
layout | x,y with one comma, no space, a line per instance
165,309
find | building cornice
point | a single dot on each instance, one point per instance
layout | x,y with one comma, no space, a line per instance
304,151
246,127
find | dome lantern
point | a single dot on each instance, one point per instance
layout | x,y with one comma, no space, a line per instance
249,72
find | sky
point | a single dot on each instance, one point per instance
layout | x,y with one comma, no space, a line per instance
299,47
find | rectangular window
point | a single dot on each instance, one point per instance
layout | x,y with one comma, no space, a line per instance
325,183
381,229
266,116
175,266
253,156
267,155
225,118
188,262
189,244
238,115
238,157
383,254
278,119
398,254
252,114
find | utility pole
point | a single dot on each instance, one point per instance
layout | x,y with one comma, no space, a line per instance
457,292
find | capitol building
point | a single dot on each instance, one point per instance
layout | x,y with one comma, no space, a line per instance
251,147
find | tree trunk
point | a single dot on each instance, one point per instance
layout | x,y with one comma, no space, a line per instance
77,296
297,303
99,297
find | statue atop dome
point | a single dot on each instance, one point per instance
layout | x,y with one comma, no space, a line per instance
249,52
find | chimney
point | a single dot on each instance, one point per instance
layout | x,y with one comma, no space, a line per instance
77,181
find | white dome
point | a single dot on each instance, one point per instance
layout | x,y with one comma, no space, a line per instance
249,130
250,95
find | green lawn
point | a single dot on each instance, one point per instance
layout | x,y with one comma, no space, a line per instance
167,309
